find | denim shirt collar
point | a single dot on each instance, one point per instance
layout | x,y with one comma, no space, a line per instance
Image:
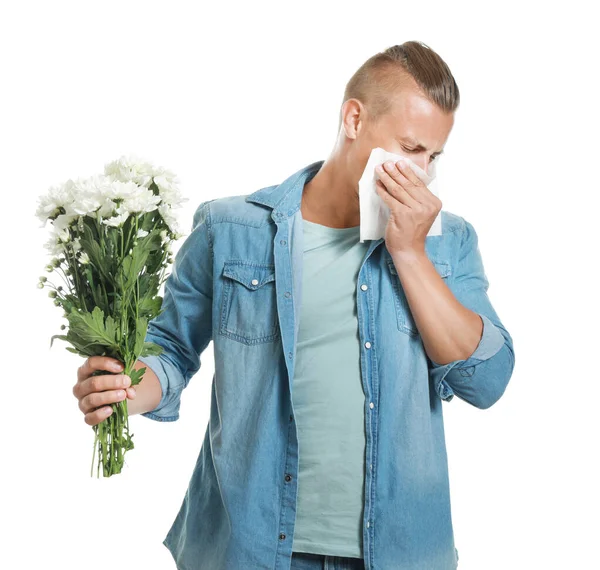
285,198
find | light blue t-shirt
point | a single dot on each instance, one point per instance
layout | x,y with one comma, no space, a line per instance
328,396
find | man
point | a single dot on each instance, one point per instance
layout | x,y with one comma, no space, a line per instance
325,445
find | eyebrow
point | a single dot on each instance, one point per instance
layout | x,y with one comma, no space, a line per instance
418,146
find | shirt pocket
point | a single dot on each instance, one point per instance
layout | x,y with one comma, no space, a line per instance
249,302
405,320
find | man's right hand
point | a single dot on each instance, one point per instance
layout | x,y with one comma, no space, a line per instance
96,393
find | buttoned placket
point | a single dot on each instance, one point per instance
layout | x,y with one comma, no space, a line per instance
285,308
364,287
366,332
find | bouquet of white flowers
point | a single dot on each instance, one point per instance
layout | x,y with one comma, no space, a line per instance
111,244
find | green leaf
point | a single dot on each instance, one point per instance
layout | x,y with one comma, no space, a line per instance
141,326
151,349
92,328
133,265
136,376
90,245
111,328
149,307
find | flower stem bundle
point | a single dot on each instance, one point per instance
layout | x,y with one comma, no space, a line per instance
111,245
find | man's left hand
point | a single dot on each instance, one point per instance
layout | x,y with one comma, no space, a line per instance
413,207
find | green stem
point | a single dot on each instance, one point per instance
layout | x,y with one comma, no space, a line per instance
94,454
113,439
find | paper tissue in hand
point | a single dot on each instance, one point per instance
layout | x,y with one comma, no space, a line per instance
374,212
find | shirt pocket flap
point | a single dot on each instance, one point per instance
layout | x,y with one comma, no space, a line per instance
250,275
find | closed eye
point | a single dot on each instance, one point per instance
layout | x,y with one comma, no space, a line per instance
431,158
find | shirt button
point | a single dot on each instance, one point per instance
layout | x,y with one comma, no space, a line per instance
288,294
371,405
282,536
283,242
368,525
254,281
367,344
364,287
371,467
288,477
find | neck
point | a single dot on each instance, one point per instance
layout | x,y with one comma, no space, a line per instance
330,198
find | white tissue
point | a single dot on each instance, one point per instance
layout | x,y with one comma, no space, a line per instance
374,212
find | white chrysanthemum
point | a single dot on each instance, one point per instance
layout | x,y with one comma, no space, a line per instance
63,235
166,182
163,237
141,233
117,220
106,209
90,194
61,225
57,197
140,201
134,199
54,246
84,258
63,221
118,190
168,217
130,168
165,174
76,244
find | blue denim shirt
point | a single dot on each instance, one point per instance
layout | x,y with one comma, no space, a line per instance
236,280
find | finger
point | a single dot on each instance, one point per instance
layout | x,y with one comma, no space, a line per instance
98,415
411,182
387,177
408,173
383,194
130,393
96,400
94,363
101,383
389,200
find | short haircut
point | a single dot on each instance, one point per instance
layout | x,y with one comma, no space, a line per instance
385,73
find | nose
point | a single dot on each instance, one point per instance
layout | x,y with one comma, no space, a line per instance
423,166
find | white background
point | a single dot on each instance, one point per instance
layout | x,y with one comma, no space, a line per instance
236,97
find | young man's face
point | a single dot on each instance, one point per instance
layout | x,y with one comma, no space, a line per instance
415,128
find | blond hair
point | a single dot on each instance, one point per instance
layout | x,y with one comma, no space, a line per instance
385,73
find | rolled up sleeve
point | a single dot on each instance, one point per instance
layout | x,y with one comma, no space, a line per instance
482,378
184,326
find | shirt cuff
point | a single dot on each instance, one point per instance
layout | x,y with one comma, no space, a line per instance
492,340
168,407
490,343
